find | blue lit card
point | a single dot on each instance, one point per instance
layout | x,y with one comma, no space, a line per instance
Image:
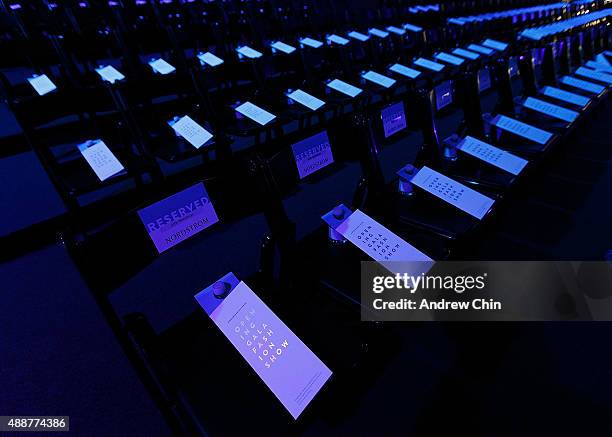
303,98
42,84
565,96
378,79
480,49
456,21
550,109
344,88
412,27
492,155
283,47
601,59
405,71
379,33
453,60
248,52
110,74
493,44
310,42
161,66
336,39
599,67
209,59
582,84
444,94
430,65
312,154
195,134
595,75
255,113
358,36
393,119
396,30
466,53
522,129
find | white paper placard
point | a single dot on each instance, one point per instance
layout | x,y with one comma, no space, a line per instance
599,67
283,47
405,71
42,84
493,44
358,36
101,160
195,134
344,88
582,84
466,53
162,67
379,33
210,59
565,96
336,39
248,52
454,60
480,49
430,65
378,79
412,27
110,74
492,155
550,109
396,30
255,113
523,129
593,74
310,42
452,192
303,98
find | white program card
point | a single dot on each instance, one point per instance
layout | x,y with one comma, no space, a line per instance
337,39
378,79
466,53
195,134
255,113
310,42
303,98
550,109
454,60
582,84
110,74
430,65
358,36
493,44
101,160
593,74
599,67
344,88
283,47
161,66
248,52
492,155
452,192
480,49
42,84
601,59
396,30
210,59
405,71
523,129
412,27
378,33
565,96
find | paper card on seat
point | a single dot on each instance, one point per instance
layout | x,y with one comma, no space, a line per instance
454,60
452,192
565,96
378,33
337,39
599,67
101,159
405,71
582,84
195,134
430,65
249,52
412,27
378,79
312,154
283,47
522,129
593,74
303,98
110,74
210,59
480,49
358,36
42,84
466,53
393,119
255,113
444,94
161,66
484,79
344,88
493,44
492,155
283,362
396,30
178,217
310,42
601,59
550,109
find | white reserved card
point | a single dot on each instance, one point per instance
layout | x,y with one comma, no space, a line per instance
310,42
550,109
42,84
593,74
210,59
582,84
100,158
358,36
452,192
430,65
523,129
599,67
255,113
337,39
493,44
110,74
248,52
405,71
303,98
466,53
454,60
480,49
379,33
161,66
344,88
378,79
565,96
492,155
283,47
195,134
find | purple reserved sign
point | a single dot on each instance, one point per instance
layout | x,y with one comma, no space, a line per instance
178,217
312,154
393,119
287,366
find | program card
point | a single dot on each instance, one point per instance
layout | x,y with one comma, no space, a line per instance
312,154
311,43
303,98
396,30
336,39
550,109
379,33
412,27
493,44
210,59
430,65
195,134
378,79
248,52
110,74
101,159
162,67
565,96
480,49
393,119
466,53
582,84
492,155
600,67
255,113
454,60
42,84
596,75
405,71
358,36
522,129
344,88
282,47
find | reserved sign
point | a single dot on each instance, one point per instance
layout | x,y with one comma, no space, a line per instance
312,154
393,119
